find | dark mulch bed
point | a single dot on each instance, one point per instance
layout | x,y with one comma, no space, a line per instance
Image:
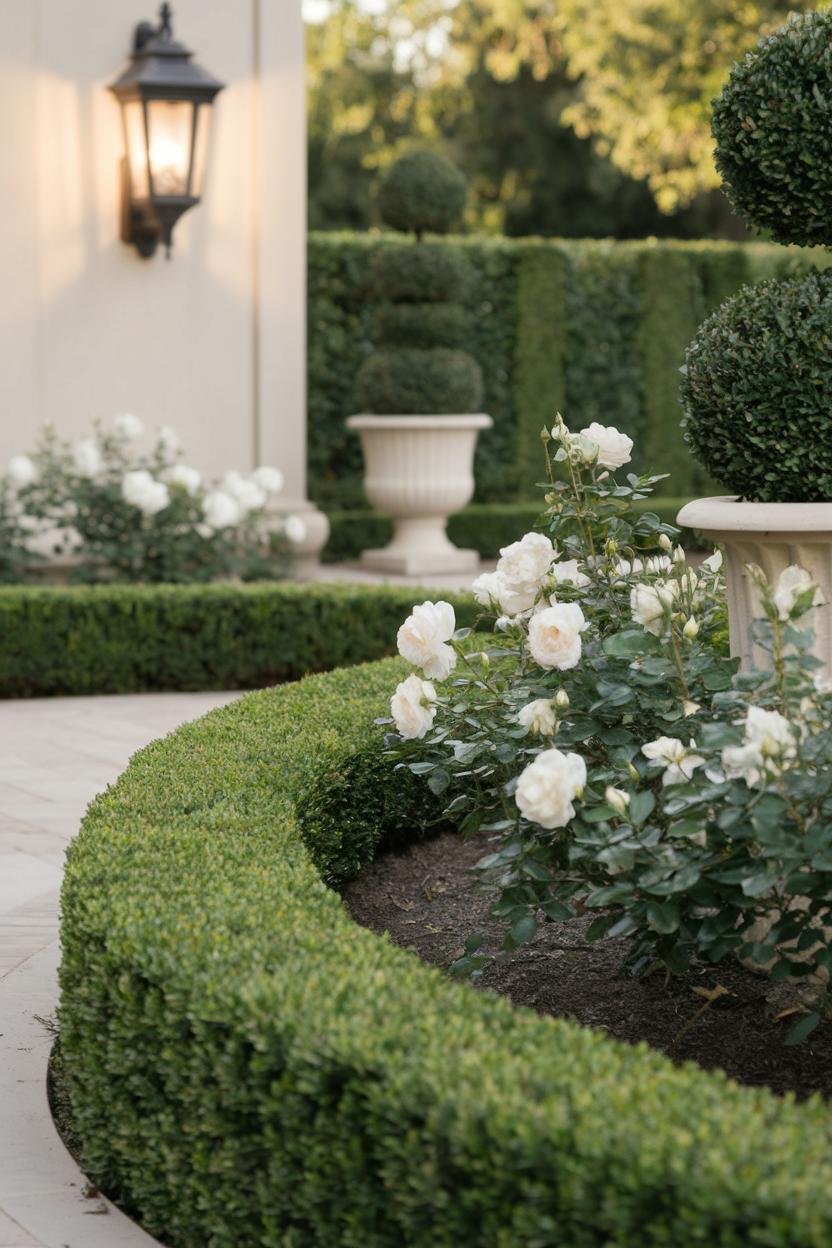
429,902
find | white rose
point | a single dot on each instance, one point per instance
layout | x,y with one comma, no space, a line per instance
619,799
771,731
657,564
221,511
423,638
792,583
486,587
651,604
678,760
582,449
769,740
743,762
168,440
295,529
86,455
269,479
538,716
567,570
189,478
21,471
548,786
141,490
413,707
523,567
614,448
555,636
248,494
713,563
127,426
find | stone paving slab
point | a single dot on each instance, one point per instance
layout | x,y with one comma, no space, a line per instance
55,755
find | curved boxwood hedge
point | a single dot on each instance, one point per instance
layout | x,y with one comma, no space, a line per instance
248,1067
125,638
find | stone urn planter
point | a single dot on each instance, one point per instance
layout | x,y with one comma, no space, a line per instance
419,470
772,535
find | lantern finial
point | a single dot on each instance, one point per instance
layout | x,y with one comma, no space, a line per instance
165,17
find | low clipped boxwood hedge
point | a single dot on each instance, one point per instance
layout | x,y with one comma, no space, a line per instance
125,638
247,1067
484,527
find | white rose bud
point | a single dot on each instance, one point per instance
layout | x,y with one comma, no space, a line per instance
679,555
691,628
539,716
617,798
792,583
650,604
423,638
665,543
548,786
413,707
561,699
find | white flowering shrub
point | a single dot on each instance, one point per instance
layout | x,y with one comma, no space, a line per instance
605,742
136,514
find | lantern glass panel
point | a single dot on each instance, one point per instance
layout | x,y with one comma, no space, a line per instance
203,129
136,145
170,126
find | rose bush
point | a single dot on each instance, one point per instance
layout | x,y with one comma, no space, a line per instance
139,515
610,750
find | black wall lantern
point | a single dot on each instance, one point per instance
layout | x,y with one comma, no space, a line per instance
166,103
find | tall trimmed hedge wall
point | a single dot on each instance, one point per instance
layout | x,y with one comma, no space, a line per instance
598,329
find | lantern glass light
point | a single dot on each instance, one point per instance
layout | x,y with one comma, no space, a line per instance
170,133
166,102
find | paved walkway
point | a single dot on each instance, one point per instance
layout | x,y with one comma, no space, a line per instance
55,755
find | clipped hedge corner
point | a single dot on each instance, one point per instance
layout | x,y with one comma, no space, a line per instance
247,1067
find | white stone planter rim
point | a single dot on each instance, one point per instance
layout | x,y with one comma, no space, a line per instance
727,514
474,420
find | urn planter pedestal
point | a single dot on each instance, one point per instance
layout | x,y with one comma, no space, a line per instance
419,470
773,535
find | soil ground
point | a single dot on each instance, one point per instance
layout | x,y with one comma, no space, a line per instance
428,901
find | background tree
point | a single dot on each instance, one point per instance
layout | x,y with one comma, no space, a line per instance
493,84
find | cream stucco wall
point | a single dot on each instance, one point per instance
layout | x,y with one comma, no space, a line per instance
212,341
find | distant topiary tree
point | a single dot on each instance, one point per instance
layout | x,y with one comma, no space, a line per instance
757,382
420,367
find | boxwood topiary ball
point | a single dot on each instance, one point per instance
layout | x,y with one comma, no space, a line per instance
773,129
406,381
420,325
757,391
422,192
427,273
